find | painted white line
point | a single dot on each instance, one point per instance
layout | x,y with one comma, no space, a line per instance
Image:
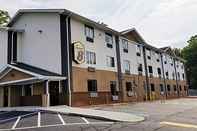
4,112
179,124
86,121
17,117
15,124
39,118
56,125
62,120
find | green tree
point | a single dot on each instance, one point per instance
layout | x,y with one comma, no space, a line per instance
4,18
189,53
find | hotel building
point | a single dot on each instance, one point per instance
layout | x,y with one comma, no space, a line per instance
55,56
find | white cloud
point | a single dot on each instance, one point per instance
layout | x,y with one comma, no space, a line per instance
161,22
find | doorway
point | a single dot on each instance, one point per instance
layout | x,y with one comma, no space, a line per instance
5,97
54,93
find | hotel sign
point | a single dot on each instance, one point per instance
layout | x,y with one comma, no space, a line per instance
79,52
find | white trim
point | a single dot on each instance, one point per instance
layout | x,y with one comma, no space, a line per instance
25,71
5,73
61,119
39,118
16,81
15,124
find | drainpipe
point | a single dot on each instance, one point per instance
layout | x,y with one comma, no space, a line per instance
177,85
119,67
146,73
163,75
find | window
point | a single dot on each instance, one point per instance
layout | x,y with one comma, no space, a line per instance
109,40
180,88
28,90
178,74
175,88
159,71
89,33
167,76
140,69
148,54
183,75
110,61
90,57
173,76
185,88
125,45
138,50
152,87
168,88
114,90
129,86
161,88
150,69
92,85
127,66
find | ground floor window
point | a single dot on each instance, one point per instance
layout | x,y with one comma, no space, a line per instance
28,90
180,88
175,88
92,88
114,90
161,88
129,89
152,87
168,88
92,85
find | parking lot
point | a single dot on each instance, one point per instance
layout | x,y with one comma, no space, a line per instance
40,120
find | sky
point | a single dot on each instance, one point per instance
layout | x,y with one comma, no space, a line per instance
160,22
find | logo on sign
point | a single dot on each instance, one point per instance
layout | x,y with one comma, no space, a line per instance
79,52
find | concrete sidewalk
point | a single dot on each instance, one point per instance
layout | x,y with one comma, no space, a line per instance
110,115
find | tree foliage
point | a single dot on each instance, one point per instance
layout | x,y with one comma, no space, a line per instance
4,18
189,53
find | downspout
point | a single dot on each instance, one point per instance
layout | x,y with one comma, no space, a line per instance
146,73
119,66
69,58
177,85
163,75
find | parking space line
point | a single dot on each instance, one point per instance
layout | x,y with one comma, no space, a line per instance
86,121
56,125
4,112
39,118
179,124
16,117
62,120
15,124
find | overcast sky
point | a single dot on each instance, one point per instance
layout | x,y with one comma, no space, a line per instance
160,22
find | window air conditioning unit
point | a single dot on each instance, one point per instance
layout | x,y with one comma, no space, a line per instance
93,94
130,93
114,98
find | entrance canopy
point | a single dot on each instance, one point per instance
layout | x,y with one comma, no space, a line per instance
20,73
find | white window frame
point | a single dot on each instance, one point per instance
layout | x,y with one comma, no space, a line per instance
127,66
125,44
109,61
90,58
89,32
109,39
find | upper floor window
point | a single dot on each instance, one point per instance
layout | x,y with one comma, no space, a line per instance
125,45
109,40
167,76
90,57
89,33
183,75
127,66
140,69
110,61
150,69
178,74
173,75
148,52
159,71
138,50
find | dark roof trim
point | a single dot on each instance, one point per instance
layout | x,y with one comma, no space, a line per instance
62,11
